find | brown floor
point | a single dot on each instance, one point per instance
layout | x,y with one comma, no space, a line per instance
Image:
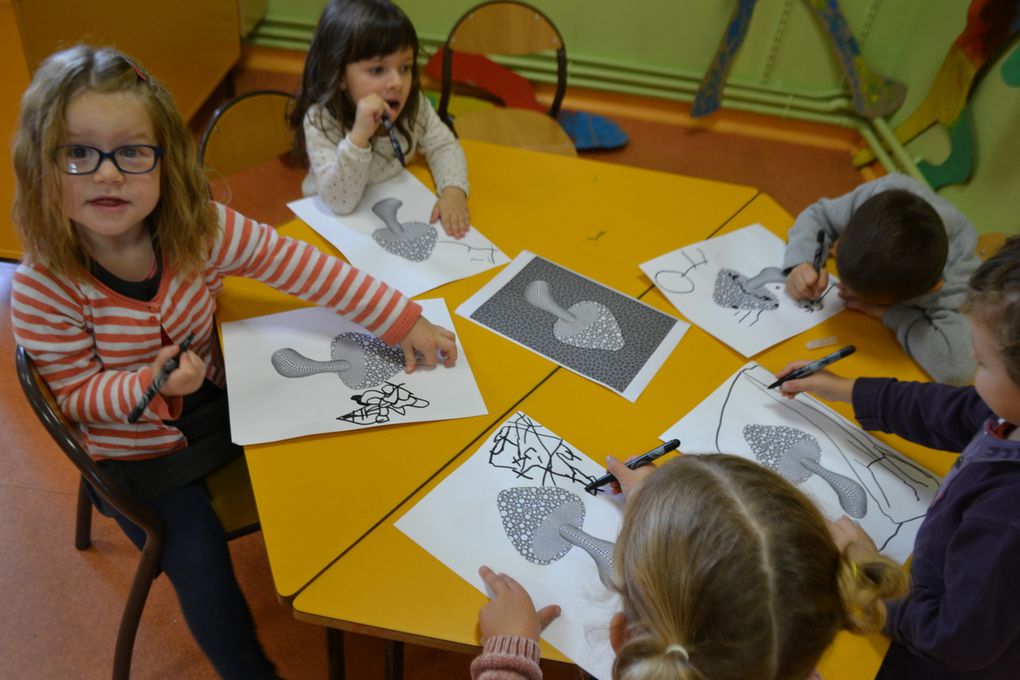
62,607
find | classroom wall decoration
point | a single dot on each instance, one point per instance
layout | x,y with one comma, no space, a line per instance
844,469
310,371
580,324
541,528
732,287
389,236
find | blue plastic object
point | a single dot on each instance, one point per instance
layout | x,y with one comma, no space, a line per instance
591,132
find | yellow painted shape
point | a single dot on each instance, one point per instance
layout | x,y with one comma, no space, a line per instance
945,100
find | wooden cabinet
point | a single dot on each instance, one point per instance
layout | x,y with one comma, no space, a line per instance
189,45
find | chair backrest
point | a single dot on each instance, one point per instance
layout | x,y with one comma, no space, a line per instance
65,435
247,130
503,27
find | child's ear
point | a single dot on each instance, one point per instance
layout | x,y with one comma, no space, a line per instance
618,631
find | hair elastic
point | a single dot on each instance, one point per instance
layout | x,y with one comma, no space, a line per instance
678,649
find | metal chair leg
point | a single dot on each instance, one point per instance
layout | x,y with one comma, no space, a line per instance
335,654
83,519
394,660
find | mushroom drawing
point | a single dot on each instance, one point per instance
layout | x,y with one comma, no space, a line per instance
412,241
733,290
359,359
543,522
587,324
795,455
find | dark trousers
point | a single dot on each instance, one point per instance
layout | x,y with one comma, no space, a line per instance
197,561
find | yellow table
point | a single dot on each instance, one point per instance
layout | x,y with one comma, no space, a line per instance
377,587
317,496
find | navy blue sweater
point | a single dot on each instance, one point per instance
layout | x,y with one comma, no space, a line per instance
961,618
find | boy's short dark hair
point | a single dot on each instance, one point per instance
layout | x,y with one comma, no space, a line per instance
893,248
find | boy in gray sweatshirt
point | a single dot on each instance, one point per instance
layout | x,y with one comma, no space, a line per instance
904,255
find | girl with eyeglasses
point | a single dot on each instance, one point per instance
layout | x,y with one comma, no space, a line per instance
124,257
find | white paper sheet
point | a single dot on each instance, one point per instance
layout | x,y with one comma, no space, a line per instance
412,255
732,286
266,405
886,492
460,524
580,324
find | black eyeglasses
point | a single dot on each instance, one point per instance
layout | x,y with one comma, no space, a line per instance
133,159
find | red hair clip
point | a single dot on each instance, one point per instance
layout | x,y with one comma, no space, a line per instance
138,71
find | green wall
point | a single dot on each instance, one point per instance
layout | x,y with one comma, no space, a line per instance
785,67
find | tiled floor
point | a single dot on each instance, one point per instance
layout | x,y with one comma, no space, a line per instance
62,607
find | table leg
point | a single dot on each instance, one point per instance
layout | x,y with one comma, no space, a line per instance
335,654
394,660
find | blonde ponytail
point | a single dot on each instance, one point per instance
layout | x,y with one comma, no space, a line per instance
644,658
864,585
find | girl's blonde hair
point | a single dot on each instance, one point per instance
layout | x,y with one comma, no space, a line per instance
727,571
993,294
183,222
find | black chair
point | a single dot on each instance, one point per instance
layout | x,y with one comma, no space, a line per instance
229,490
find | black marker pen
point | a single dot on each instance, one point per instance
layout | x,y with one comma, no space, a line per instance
646,459
815,366
150,393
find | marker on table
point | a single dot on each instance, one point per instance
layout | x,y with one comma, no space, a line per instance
169,367
815,366
646,459
393,139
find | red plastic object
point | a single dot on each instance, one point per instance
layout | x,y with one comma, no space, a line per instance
478,71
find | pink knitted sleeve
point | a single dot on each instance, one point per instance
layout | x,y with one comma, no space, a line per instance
507,657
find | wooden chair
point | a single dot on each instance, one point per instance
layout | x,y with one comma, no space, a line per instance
510,28
246,151
229,490
249,129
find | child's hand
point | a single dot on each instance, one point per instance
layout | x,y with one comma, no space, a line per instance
804,283
426,339
367,119
452,210
851,301
822,383
846,533
186,378
511,611
627,480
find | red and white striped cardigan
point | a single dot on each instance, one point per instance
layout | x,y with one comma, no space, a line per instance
94,346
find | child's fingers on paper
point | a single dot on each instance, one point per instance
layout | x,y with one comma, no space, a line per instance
547,615
492,579
435,213
410,361
447,347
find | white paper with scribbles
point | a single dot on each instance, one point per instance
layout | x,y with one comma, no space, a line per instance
733,288
843,468
496,509
389,236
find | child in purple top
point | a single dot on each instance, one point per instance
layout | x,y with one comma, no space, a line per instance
961,618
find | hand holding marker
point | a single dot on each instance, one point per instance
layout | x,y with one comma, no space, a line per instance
393,139
815,366
169,367
646,459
